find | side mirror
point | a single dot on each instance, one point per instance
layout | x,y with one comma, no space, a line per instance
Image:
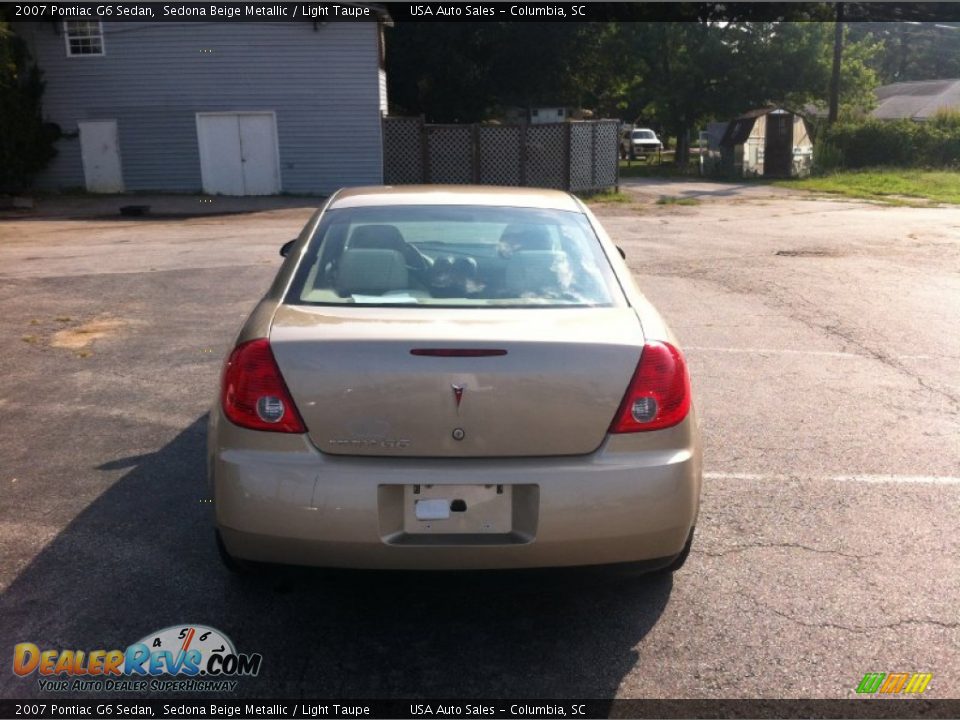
619,250
285,248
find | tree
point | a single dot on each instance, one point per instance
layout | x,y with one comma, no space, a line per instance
26,141
693,72
913,50
672,75
466,72
834,100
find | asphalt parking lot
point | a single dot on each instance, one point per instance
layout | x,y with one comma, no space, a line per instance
824,343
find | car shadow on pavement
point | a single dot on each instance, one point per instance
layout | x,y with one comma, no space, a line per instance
141,557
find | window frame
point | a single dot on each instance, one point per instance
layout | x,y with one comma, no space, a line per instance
66,40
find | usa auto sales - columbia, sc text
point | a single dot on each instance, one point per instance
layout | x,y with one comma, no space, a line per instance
550,710
549,11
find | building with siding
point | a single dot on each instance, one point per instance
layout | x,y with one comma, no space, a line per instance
222,108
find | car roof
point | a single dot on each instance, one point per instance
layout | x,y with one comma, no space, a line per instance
490,195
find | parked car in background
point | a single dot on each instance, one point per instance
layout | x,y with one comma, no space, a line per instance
639,142
455,378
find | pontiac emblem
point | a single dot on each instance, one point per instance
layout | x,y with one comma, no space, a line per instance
458,394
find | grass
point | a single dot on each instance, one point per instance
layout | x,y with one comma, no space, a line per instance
607,196
673,200
893,186
665,168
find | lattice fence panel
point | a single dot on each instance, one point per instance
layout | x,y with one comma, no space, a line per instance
605,154
450,154
500,155
402,151
581,156
546,155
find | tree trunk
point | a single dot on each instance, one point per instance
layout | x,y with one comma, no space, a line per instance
835,75
682,155
902,47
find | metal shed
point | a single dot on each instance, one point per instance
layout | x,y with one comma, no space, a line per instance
768,142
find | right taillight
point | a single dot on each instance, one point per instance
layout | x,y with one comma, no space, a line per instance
659,393
254,394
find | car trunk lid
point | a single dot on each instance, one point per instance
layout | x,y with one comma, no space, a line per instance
437,382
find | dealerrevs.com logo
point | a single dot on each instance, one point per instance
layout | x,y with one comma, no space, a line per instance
177,658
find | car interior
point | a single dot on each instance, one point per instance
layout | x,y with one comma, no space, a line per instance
374,263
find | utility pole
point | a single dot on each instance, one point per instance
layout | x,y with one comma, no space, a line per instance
837,57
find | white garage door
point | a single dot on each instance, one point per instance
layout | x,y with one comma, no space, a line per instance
238,153
100,153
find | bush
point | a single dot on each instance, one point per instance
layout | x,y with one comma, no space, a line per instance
901,143
26,141
826,157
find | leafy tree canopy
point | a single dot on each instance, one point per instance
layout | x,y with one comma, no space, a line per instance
26,141
671,75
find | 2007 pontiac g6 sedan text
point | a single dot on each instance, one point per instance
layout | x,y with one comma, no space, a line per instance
454,378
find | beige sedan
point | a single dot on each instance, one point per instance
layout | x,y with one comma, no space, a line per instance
454,378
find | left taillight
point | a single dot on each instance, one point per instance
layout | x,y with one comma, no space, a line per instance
254,394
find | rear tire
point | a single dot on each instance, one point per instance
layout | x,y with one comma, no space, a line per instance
680,559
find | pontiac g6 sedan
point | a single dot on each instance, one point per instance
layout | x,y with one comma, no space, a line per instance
454,378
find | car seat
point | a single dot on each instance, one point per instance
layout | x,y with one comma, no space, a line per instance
386,237
365,271
520,237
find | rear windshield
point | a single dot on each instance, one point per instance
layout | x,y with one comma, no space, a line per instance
454,256
643,135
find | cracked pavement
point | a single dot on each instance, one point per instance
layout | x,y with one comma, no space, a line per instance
827,378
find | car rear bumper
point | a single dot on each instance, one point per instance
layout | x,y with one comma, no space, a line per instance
279,500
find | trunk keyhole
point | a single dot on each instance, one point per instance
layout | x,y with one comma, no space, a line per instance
458,506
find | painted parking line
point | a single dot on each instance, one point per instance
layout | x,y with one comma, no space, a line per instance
859,478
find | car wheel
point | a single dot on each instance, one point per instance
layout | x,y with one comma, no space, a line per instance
234,564
680,559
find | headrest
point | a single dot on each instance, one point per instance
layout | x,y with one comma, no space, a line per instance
384,237
521,237
373,272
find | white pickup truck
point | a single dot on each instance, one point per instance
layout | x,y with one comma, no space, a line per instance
639,142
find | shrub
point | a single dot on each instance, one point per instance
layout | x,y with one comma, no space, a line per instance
26,141
826,157
901,143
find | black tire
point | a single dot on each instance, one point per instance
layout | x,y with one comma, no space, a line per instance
243,568
680,559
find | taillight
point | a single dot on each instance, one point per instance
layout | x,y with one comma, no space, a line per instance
659,393
254,395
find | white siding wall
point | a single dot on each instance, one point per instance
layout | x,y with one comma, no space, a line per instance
323,84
